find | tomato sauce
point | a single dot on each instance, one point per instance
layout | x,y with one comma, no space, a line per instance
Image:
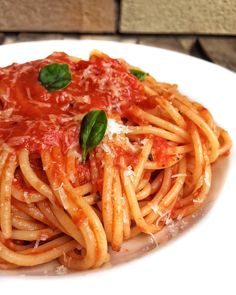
159,149
83,173
130,158
34,118
38,119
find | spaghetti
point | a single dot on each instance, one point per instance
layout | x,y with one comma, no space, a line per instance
152,164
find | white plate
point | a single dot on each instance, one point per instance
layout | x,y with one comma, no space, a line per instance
203,259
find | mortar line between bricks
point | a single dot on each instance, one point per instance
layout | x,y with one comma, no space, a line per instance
118,15
131,34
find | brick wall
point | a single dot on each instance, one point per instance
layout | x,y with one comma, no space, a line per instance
58,15
125,16
179,16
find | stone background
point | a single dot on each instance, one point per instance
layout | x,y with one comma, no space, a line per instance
202,28
126,16
179,16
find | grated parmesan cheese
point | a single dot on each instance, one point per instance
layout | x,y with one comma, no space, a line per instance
197,200
61,270
115,91
6,113
83,99
26,197
173,230
113,127
153,239
207,178
52,118
18,140
28,93
87,72
144,141
129,172
178,174
107,149
41,104
155,209
168,219
6,96
43,237
36,244
86,99
161,216
78,156
63,196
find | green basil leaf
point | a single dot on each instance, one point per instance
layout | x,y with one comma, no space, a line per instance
55,76
139,74
92,131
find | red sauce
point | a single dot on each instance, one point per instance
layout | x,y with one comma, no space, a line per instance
159,149
130,158
83,173
37,119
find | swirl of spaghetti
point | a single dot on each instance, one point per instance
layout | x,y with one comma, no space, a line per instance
152,166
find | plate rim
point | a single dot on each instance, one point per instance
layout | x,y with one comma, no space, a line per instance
136,262
23,43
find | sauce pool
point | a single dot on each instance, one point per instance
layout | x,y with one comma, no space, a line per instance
34,118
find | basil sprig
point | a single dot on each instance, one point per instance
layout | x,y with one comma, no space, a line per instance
139,74
55,76
93,128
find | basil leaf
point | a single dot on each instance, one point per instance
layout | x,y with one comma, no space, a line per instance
55,76
139,74
92,131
